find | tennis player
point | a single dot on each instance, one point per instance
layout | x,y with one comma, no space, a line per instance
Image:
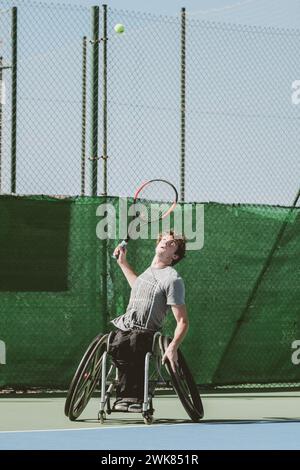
153,292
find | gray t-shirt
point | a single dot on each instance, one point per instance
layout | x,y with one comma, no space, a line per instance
152,294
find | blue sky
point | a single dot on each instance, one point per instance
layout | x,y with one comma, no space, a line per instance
284,13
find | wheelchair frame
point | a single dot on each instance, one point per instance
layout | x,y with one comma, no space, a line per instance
94,365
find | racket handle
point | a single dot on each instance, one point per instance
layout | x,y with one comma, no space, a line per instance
123,244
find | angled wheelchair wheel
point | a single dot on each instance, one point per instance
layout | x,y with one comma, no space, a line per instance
184,383
86,378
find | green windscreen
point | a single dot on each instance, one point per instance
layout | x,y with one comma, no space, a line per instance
59,287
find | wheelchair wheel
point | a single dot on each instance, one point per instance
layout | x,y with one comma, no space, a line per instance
184,384
86,378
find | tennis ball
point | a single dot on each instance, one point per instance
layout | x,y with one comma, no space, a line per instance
119,28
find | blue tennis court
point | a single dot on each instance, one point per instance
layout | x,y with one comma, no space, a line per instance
205,436
239,422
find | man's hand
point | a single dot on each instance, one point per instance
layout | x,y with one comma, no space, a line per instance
172,356
120,254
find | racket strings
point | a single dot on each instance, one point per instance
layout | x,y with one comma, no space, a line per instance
157,191
154,200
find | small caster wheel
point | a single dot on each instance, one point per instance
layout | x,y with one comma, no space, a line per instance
101,417
148,419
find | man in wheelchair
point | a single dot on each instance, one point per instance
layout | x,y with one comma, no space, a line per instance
153,292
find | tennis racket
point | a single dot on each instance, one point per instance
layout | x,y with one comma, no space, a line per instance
158,190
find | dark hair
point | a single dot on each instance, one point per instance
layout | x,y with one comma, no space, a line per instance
180,242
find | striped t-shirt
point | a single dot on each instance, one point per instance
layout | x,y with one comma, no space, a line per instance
152,294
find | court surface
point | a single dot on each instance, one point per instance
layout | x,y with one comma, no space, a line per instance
251,421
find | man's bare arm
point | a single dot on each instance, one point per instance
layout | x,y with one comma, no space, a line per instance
180,314
125,266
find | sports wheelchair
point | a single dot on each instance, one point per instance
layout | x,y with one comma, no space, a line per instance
97,368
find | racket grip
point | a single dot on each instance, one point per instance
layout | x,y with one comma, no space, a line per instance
123,244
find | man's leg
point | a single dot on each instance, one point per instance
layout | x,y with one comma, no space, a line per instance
128,350
121,353
141,343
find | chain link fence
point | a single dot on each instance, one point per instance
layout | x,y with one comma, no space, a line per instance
86,111
207,105
242,124
49,98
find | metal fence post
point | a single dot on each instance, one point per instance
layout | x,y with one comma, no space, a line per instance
104,100
182,108
95,106
83,116
104,252
1,104
14,101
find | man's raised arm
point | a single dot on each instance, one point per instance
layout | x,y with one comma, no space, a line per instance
128,272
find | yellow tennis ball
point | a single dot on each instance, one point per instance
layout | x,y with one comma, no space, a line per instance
119,28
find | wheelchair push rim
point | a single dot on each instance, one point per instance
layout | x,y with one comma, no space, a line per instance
85,378
183,383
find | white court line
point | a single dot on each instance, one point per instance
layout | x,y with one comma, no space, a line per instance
100,429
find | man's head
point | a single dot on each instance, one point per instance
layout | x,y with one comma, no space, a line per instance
170,247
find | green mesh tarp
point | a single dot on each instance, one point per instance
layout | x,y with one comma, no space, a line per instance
59,287
48,246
